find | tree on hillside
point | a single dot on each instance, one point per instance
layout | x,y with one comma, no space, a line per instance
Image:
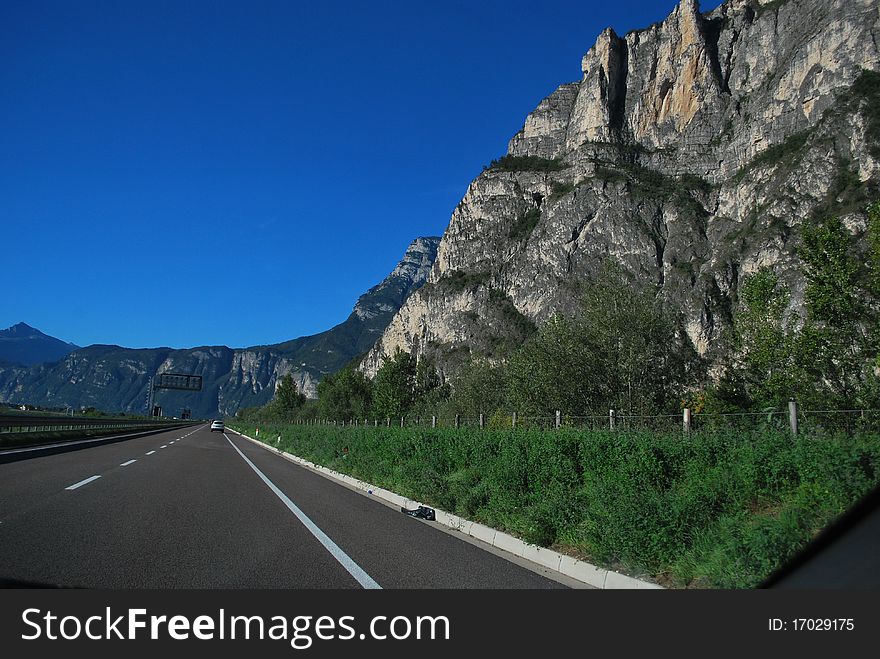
480,388
394,386
764,370
623,351
829,361
838,340
287,401
430,389
347,394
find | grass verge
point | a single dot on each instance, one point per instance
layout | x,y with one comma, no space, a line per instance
718,510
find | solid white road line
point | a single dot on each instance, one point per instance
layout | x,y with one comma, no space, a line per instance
125,464
151,453
344,559
81,483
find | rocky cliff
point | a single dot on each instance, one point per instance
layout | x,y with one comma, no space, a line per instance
112,378
689,153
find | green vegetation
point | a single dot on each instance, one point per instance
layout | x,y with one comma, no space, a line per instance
347,394
686,267
825,362
522,325
872,273
653,184
561,188
847,193
622,351
694,182
715,510
394,386
457,281
525,164
788,151
866,92
651,181
525,224
288,400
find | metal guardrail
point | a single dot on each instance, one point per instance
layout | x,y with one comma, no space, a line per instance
55,427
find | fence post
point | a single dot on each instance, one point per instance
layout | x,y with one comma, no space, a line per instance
558,419
792,416
375,423
434,421
457,420
514,420
686,419
482,421
401,422
611,419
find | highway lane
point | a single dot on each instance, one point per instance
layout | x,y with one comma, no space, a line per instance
25,482
196,514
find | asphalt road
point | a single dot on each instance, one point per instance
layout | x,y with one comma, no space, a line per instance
189,508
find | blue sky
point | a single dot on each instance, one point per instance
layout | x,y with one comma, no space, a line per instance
196,173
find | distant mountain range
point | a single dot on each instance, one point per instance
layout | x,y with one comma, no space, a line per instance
24,345
113,378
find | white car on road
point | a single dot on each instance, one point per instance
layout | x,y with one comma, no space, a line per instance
217,425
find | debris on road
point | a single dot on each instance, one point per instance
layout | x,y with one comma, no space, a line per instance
422,512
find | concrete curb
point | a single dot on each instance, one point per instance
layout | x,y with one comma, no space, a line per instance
576,569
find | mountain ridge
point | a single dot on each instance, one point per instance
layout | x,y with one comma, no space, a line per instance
24,345
115,378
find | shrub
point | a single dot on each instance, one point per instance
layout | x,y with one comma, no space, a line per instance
525,224
561,188
719,509
510,163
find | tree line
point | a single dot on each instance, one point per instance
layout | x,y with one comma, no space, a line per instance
625,350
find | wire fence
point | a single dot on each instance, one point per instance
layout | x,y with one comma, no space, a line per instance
794,420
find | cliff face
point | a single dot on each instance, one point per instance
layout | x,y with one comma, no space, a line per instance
689,153
112,378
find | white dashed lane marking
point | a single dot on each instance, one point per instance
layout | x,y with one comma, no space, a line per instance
82,482
124,464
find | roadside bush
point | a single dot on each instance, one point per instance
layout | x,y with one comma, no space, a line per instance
719,510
